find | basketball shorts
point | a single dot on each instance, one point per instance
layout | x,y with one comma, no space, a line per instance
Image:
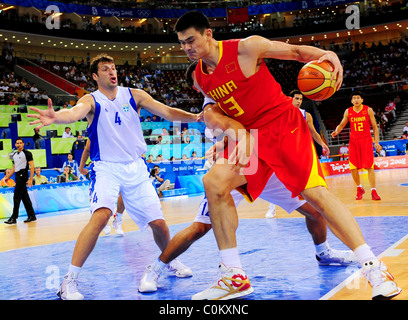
274,192
132,181
361,153
285,147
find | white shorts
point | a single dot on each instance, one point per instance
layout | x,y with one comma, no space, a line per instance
132,181
274,192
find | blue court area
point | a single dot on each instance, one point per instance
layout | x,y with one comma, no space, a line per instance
277,254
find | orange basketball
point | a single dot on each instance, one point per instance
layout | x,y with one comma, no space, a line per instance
314,80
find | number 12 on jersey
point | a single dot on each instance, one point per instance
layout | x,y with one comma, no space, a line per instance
117,119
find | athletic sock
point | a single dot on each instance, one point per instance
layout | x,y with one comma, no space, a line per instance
158,265
321,247
230,257
364,253
74,271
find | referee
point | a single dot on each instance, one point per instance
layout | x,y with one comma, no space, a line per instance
22,161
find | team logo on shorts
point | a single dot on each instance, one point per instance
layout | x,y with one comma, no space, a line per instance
125,107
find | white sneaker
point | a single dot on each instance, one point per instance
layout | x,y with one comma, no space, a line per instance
179,269
107,229
68,289
271,213
231,284
336,257
380,280
117,226
148,283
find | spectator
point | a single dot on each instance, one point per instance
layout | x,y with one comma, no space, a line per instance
71,163
405,129
381,153
79,143
7,181
344,152
160,183
38,178
37,137
67,133
67,175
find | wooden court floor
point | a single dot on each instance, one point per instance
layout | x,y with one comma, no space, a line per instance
61,227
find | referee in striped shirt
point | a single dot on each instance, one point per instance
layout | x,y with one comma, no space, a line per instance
22,163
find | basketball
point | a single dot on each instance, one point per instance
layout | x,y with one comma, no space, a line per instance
314,80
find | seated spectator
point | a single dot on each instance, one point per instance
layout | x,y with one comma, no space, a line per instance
79,143
160,183
67,133
37,137
405,129
150,159
344,150
38,178
71,163
67,175
13,101
7,181
381,153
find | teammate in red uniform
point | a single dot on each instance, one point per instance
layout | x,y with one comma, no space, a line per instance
361,152
235,75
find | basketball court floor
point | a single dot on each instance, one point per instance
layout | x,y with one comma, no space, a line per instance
277,254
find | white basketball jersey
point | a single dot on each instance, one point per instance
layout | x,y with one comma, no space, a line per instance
116,133
303,112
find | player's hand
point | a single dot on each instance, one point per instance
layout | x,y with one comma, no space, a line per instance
338,68
45,117
84,171
326,150
334,133
242,152
377,147
30,183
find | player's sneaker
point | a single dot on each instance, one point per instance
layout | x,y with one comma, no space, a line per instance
107,229
179,269
148,283
374,195
232,283
336,257
68,289
271,213
360,192
380,280
117,226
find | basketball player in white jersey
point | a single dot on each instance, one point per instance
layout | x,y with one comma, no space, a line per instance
117,145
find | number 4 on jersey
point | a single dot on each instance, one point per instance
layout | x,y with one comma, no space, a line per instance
117,118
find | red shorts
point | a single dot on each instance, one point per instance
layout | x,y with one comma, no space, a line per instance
361,153
285,147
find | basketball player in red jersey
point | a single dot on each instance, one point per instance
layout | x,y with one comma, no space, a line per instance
234,74
361,118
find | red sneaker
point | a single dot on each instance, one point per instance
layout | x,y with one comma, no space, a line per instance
374,195
360,192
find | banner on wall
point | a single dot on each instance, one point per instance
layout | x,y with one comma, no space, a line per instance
237,15
340,167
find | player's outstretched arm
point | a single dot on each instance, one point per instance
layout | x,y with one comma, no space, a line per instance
144,100
46,117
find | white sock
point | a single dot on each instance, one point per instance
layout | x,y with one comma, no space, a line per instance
373,189
321,247
159,265
364,253
359,186
119,216
74,271
230,257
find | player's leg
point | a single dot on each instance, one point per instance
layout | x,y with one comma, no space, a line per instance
117,221
371,180
357,181
344,226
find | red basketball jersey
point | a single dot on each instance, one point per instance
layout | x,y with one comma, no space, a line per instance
253,101
360,124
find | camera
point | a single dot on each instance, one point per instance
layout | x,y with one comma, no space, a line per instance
153,172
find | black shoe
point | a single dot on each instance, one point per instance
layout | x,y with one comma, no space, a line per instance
11,221
30,219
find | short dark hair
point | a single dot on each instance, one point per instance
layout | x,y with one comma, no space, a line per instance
194,19
103,57
357,93
20,139
293,92
189,73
